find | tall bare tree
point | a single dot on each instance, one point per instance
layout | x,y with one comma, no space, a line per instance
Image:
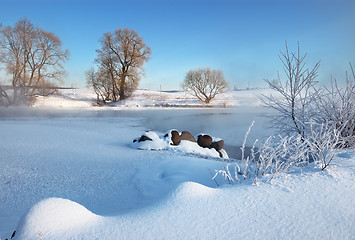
205,83
120,65
33,58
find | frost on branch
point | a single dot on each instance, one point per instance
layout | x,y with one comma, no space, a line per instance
323,142
293,108
336,106
275,156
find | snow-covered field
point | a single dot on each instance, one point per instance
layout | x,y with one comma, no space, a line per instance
76,174
84,98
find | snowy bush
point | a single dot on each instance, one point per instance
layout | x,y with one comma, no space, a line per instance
279,153
301,102
336,105
323,143
275,156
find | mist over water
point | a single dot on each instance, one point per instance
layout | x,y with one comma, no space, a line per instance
229,124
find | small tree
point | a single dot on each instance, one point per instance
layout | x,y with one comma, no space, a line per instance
120,65
294,106
205,83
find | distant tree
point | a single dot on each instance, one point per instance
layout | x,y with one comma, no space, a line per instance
205,83
120,65
33,58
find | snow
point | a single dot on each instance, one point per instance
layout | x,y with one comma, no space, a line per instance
284,209
55,216
78,175
157,143
73,98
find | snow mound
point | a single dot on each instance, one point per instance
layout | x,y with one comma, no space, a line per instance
157,143
194,148
51,216
163,142
188,190
160,178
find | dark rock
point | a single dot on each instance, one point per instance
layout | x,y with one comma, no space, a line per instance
185,135
204,141
144,138
217,145
175,137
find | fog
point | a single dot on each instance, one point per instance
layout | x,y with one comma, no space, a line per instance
230,124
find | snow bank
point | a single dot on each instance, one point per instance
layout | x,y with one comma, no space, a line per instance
54,216
68,98
61,101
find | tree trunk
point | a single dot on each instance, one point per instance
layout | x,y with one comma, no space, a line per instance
122,86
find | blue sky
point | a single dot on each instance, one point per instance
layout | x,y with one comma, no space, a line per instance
241,38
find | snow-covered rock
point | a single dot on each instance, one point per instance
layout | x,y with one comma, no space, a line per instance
163,142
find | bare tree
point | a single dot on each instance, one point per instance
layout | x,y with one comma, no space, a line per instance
33,58
120,64
294,106
205,83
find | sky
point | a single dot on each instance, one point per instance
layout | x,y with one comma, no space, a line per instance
241,38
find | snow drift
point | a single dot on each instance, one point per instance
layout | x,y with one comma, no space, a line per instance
54,216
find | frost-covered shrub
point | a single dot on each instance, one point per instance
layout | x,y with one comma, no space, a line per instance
279,153
323,143
301,101
276,155
336,106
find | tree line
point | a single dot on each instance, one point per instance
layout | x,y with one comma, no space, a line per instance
32,60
